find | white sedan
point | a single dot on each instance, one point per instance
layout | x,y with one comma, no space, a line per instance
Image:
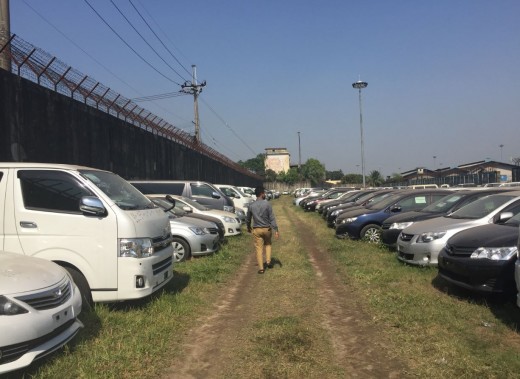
39,306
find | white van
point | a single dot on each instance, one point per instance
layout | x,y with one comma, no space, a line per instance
115,243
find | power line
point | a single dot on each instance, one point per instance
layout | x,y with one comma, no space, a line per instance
155,34
95,60
159,96
144,39
128,45
227,126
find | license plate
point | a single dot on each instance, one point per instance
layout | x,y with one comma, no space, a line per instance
63,316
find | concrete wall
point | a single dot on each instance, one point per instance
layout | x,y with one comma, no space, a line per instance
39,125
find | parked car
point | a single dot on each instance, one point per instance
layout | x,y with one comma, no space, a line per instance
179,211
113,241
240,200
232,224
393,226
366,223
482,258
421,243
190,236
352,202
310,203
202,192
517,272
39,308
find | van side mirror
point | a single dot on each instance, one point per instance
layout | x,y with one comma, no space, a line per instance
92,205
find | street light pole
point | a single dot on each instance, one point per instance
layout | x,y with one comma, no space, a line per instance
501,146
360,85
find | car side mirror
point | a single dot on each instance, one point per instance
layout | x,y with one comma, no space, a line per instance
92,205
395,209
504,216
187,209
215,195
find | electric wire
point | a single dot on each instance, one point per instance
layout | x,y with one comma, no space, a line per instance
97,61
144,40
160,96
128,45
227,125
160,40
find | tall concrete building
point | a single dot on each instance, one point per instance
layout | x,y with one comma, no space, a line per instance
277,159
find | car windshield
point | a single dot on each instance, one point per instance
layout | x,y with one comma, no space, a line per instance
481,207
443,205
122,193
383,201
365,196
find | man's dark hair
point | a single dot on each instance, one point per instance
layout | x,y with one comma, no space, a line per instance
259,190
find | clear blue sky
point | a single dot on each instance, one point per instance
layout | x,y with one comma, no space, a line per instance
443,76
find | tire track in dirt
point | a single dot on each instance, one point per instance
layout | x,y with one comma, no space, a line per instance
358,345
202,351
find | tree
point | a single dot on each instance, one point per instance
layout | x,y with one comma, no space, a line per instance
352,179
334,175
289,177
257,164
314,171
270,175
375,178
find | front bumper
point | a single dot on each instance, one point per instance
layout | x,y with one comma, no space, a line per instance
419,254
479,275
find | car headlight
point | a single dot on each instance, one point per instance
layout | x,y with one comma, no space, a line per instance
10,308
198,231
239,212
135,247
348,220
495,253
230,219
430,236
401,225
229,208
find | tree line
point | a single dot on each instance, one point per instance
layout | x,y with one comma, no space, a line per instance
314,171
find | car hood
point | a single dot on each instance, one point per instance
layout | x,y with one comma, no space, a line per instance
439,224
356,212
20,273
190,222
493,235
219,213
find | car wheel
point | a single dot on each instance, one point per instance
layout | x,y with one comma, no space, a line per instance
371,233
84,288
181,250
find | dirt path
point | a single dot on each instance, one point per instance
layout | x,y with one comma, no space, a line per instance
338,339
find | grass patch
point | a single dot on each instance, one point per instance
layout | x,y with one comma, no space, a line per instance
440,331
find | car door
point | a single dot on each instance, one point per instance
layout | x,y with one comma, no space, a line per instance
206,195
50,225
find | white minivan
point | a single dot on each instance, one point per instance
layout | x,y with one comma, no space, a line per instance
115,243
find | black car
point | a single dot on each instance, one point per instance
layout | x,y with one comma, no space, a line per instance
482,259
393,226
334,193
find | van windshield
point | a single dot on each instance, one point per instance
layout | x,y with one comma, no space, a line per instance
122,193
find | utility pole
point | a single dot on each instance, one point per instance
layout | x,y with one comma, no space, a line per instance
5,34
194,89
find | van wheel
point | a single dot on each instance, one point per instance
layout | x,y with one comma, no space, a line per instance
181,250
84,288
371,233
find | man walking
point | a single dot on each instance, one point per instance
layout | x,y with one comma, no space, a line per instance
260,220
